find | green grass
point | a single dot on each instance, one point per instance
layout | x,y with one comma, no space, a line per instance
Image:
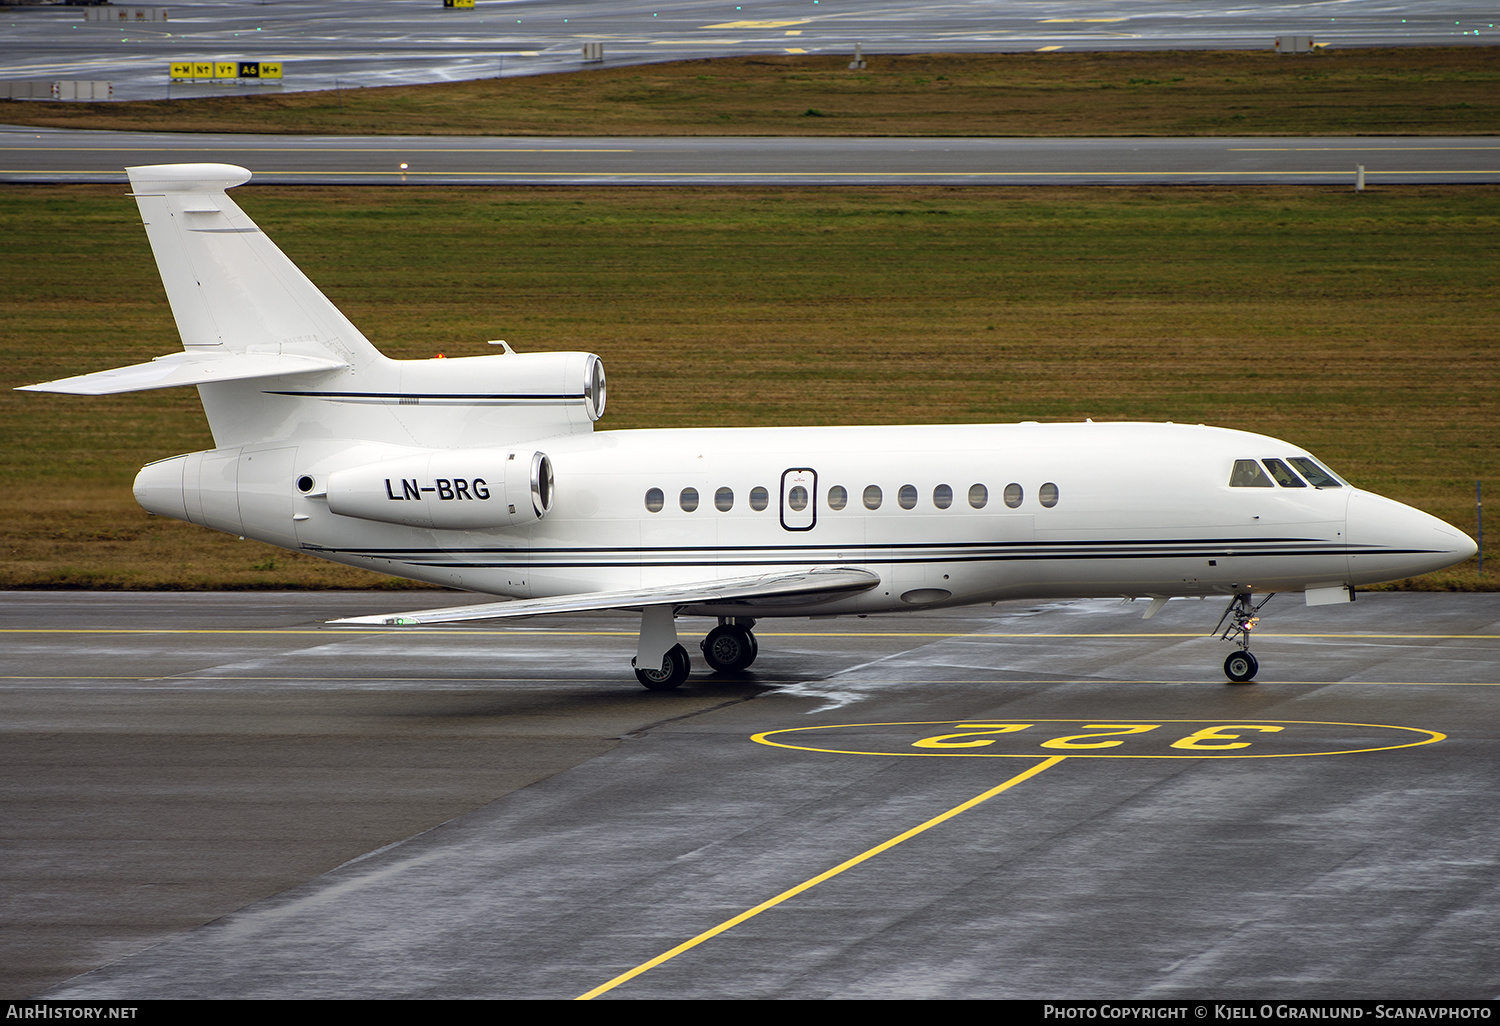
1399,91
1360,326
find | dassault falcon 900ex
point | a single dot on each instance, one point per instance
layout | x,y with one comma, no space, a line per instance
485,472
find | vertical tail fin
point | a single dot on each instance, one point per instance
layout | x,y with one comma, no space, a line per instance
231,289
274,360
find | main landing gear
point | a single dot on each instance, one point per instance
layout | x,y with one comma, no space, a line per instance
729,648
673,671
1240,667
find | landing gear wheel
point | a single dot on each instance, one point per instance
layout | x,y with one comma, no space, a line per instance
729,648
1240,667
673,671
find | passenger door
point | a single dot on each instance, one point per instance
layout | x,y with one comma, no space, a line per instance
799,499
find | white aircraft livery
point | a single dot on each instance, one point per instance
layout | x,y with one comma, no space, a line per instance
485,473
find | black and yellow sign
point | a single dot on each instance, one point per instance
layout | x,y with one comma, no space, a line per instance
225,71
458,3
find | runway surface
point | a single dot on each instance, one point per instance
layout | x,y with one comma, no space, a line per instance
323,43
213,795
39,155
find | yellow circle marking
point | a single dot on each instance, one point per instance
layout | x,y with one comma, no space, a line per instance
1032,737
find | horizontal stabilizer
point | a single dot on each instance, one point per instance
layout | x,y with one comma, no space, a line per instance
187,369
805,585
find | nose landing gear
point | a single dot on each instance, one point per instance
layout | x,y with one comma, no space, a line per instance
1240,667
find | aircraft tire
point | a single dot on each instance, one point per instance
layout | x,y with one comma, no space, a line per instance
675,667
729,648
1241,667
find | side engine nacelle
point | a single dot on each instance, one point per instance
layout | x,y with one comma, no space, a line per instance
464,489
260,492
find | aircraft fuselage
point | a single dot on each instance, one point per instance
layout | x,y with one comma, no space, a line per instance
945,515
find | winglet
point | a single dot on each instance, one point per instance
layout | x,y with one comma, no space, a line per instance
151,179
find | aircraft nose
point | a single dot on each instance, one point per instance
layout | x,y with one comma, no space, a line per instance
1389,540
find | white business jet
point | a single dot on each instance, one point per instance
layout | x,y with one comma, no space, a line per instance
485,473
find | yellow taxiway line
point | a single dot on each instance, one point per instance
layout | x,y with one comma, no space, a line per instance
805,885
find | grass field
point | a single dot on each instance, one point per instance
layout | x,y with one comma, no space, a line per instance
1401,91
1359,325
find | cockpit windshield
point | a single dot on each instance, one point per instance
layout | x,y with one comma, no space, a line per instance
1316,475
1283,475
1270,472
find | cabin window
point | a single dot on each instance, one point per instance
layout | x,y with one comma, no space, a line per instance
759,498
797,498
872,497
1047,495
979,496
688,500
655,500
1316,475
724,500
838,497
942,496
907,497
1247,474
1014,493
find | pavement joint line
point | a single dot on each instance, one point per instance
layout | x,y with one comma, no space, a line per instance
829,874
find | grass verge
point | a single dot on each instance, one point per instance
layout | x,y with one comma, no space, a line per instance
1358,325
1397,91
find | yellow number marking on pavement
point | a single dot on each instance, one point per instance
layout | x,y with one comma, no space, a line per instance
1162,739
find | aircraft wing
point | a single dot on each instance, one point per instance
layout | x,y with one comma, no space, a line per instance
802,585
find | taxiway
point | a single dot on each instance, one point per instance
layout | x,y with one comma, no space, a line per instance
321,44
214,795
40,155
